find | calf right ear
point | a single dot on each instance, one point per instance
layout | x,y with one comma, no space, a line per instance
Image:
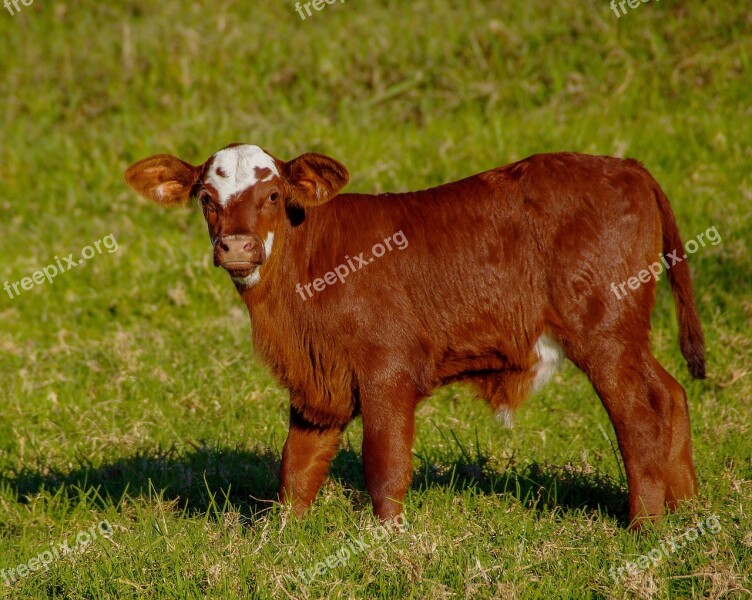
163,179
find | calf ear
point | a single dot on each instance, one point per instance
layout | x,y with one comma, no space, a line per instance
163,179
315,179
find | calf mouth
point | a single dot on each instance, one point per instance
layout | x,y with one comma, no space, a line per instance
240,269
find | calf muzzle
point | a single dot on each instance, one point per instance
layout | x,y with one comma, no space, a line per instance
240,255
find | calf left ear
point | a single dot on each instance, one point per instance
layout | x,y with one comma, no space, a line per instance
315,179
163,179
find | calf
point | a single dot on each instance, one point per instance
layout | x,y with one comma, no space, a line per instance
507,272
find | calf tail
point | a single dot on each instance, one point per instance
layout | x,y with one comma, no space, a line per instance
691,338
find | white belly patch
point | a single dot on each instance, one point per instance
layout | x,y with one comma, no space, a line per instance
550,356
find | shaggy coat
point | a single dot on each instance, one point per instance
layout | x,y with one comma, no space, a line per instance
502,275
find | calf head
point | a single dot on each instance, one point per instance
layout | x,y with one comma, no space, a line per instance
248,198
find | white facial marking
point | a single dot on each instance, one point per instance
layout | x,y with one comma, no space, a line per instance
249,281
268,244
550,356
255,277
233,170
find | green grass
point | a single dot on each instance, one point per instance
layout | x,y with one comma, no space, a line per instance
129,390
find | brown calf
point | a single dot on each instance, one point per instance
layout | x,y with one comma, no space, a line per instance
506,273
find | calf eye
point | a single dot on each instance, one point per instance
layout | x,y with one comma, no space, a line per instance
273,197
209,210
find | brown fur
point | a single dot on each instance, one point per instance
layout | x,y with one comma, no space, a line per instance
494,262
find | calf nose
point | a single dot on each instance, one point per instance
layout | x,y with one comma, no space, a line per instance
237,250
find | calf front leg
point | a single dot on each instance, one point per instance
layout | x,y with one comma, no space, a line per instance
388,430
308,452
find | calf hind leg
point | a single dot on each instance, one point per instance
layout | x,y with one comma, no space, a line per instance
681,481
648,410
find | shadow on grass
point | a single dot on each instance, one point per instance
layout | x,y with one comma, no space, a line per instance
537,486
201,479
206,479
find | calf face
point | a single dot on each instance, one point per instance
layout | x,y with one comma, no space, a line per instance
245,195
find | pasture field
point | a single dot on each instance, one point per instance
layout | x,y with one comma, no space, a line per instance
130,397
